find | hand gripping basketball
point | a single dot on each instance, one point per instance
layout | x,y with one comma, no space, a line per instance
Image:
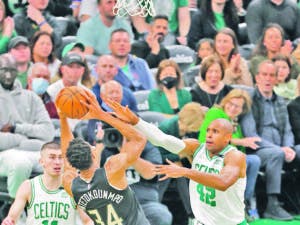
69,102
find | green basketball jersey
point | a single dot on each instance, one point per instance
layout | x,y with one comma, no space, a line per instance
49,207
211,206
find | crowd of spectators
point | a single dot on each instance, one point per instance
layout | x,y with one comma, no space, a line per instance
47,45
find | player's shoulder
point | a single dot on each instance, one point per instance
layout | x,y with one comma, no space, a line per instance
233,152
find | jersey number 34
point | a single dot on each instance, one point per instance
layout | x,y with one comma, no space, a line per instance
112,216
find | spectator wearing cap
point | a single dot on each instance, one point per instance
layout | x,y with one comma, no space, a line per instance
18,47
35,18
71,72
77,47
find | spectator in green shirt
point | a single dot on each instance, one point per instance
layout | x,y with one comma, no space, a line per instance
19,48
7,29
169,97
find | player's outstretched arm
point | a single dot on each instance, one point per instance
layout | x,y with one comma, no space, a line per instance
134,140
154,134
22,197
66,136
234,168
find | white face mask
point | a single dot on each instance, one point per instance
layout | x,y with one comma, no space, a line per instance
39,85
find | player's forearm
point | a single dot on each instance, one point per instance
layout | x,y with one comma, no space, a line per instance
65,133
210,180
159,138
125,129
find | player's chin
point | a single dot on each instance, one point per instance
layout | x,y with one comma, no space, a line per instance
209,145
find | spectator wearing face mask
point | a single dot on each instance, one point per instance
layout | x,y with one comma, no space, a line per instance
38,81
169,97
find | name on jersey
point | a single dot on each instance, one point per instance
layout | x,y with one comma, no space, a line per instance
206,169
51,210
99,194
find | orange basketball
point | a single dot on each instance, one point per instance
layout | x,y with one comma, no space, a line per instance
68,101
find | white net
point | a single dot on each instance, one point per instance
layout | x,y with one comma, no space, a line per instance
134,8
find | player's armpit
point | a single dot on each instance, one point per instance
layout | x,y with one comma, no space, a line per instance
191,145
115,168
67,180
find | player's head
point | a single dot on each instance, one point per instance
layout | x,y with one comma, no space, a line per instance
218,135
51,159
79,154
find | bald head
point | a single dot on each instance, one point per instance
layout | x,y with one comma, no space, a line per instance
112,90
8,71
106,68
224,124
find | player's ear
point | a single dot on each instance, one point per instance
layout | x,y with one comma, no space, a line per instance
228,138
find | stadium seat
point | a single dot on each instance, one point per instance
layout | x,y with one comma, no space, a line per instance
152,117
189,77
246,50
243,87
182,55
154,71
142,100
243,34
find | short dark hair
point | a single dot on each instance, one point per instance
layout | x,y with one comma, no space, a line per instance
79,154
122,30
161,17
50,145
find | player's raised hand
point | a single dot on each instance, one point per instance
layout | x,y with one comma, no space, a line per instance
169,171
94,109
123,113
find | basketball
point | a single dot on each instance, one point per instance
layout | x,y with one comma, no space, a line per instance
68,101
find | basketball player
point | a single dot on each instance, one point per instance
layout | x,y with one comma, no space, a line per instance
102,192
47,203
218,173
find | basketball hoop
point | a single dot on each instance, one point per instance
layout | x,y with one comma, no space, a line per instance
134,8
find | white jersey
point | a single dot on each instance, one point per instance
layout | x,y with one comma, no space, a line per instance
211,206
49,207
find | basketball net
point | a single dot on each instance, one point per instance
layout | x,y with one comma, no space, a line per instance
134,8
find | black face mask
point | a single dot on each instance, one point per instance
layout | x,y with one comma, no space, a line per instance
7,77
169,82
